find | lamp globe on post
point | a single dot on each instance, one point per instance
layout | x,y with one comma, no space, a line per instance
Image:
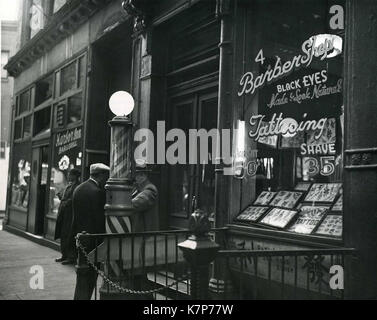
118,208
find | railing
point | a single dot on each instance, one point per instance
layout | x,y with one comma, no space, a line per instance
177,265
145,265
283,274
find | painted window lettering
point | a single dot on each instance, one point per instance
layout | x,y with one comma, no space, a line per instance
314,47
287,127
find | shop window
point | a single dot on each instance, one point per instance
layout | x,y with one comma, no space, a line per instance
43,90
27,127
42,120
74,108
68,78
24,102
37,16
20,176
18,129
291,167
82,71
67,154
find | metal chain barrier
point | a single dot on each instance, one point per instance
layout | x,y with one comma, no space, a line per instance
116,285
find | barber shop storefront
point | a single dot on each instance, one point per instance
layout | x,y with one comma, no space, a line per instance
282,78
60,110
291,81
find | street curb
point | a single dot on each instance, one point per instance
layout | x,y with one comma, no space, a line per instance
39,240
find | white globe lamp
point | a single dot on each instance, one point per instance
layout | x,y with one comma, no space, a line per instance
121,103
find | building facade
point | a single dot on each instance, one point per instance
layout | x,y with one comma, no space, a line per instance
9,39
289,81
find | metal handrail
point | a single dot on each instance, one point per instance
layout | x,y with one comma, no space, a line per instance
146,234
286,253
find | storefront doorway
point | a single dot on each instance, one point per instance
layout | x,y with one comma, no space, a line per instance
38,189
192,186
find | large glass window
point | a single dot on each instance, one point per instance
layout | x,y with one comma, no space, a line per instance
24,102
42,120
21,175
292,97
74,108
44,90
68,78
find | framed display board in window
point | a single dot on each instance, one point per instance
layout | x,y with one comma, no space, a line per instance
323,192
286,199
308,219
252,214
264,198
278,217
332,225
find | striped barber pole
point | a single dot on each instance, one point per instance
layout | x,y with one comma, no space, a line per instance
115,224
120,163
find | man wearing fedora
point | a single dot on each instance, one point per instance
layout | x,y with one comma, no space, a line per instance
145,218
63,229
89,201
144,201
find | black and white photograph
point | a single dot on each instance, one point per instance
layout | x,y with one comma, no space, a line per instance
188,150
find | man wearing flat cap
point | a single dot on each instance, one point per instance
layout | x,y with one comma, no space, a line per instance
89,201
63,230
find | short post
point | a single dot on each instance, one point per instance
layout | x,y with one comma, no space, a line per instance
199,251
82,272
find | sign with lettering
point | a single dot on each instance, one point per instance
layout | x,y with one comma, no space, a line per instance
287,127
320,46
68,140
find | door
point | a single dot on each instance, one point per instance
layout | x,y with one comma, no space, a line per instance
192,185
38,190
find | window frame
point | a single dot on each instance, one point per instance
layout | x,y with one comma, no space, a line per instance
53,101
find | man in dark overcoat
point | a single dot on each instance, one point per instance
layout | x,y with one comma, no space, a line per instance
63,229
89,201
144,218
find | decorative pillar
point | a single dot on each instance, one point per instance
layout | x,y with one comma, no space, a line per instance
199,251
223,12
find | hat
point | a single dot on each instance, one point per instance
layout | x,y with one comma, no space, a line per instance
98,167
141,165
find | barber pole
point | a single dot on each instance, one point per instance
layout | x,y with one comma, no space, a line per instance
118,208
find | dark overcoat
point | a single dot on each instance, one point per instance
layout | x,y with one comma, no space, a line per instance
144,203
65,213
89,209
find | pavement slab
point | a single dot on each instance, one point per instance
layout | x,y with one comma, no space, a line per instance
18,256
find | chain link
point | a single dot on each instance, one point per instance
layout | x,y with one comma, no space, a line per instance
116,285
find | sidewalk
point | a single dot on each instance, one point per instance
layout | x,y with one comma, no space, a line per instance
17,256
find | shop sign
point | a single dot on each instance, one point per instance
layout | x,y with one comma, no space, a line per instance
304,92
68,140
321,46
287,127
